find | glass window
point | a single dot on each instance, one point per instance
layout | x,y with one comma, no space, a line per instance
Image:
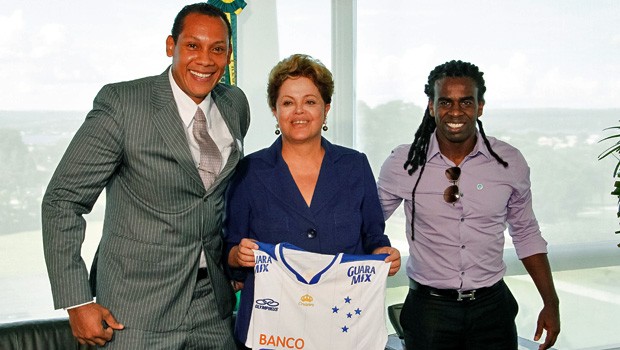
269,32
56,57
552,74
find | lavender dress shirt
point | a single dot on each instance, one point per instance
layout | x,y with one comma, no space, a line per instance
461,245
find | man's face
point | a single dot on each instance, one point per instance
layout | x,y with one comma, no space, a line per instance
200,55
456,108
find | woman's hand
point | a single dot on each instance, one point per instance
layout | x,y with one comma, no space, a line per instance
242,255
393,258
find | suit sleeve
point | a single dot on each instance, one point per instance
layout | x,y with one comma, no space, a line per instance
89,162
245,116
237,218
373,224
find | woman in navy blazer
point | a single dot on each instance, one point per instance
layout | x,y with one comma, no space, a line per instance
303,189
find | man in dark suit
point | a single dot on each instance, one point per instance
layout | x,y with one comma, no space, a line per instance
159,281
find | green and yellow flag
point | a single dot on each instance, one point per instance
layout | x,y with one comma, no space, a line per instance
232,8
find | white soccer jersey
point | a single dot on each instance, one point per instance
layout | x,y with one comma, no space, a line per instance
305,300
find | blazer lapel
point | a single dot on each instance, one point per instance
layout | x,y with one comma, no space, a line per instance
279,181
231,118
168,121
229,114
329,183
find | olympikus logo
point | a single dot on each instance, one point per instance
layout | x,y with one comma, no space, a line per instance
262,263
283,342
266,304
360,274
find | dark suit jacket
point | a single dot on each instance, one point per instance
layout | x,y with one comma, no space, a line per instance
264,203
158,214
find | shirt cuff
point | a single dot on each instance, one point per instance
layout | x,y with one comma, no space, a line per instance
75,306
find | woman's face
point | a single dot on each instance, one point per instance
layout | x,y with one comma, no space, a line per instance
300,110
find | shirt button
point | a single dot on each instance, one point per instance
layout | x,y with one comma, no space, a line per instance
463,247
311,233
462,273
462,219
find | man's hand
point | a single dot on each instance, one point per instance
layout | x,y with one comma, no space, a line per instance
537,266
549,320
237,285
393,258
93,324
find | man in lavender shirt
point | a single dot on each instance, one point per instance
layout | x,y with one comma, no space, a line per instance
461,190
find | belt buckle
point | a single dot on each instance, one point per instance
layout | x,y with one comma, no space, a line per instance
469,295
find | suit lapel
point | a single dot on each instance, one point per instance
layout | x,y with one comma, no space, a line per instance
168,121
278,180
231,118
329,183
228,112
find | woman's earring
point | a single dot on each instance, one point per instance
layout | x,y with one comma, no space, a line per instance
277,129
325,128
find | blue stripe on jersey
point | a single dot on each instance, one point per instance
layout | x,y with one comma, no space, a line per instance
268,248
351,257
316,277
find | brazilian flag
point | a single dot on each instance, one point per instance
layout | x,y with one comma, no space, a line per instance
231,8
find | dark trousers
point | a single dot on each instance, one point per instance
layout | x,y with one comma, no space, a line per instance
432,322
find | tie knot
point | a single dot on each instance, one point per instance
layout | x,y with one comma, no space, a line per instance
200,115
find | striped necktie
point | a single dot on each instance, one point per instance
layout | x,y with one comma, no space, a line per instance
210,156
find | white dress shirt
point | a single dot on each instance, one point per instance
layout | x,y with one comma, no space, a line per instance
216,126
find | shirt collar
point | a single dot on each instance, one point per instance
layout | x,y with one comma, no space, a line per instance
187,106
479,147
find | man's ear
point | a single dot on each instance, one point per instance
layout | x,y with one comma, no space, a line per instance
431,108
169,46
230,51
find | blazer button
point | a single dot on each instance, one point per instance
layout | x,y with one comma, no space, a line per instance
311,233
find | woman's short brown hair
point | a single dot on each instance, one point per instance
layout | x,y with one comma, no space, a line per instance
300,65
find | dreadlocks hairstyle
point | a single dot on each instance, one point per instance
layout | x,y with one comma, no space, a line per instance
419,148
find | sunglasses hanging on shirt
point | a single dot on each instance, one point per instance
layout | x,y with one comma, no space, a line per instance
452,193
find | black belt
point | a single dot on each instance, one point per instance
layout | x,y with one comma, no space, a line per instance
202,273
454,294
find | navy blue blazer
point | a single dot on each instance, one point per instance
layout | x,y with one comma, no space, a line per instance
264,203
